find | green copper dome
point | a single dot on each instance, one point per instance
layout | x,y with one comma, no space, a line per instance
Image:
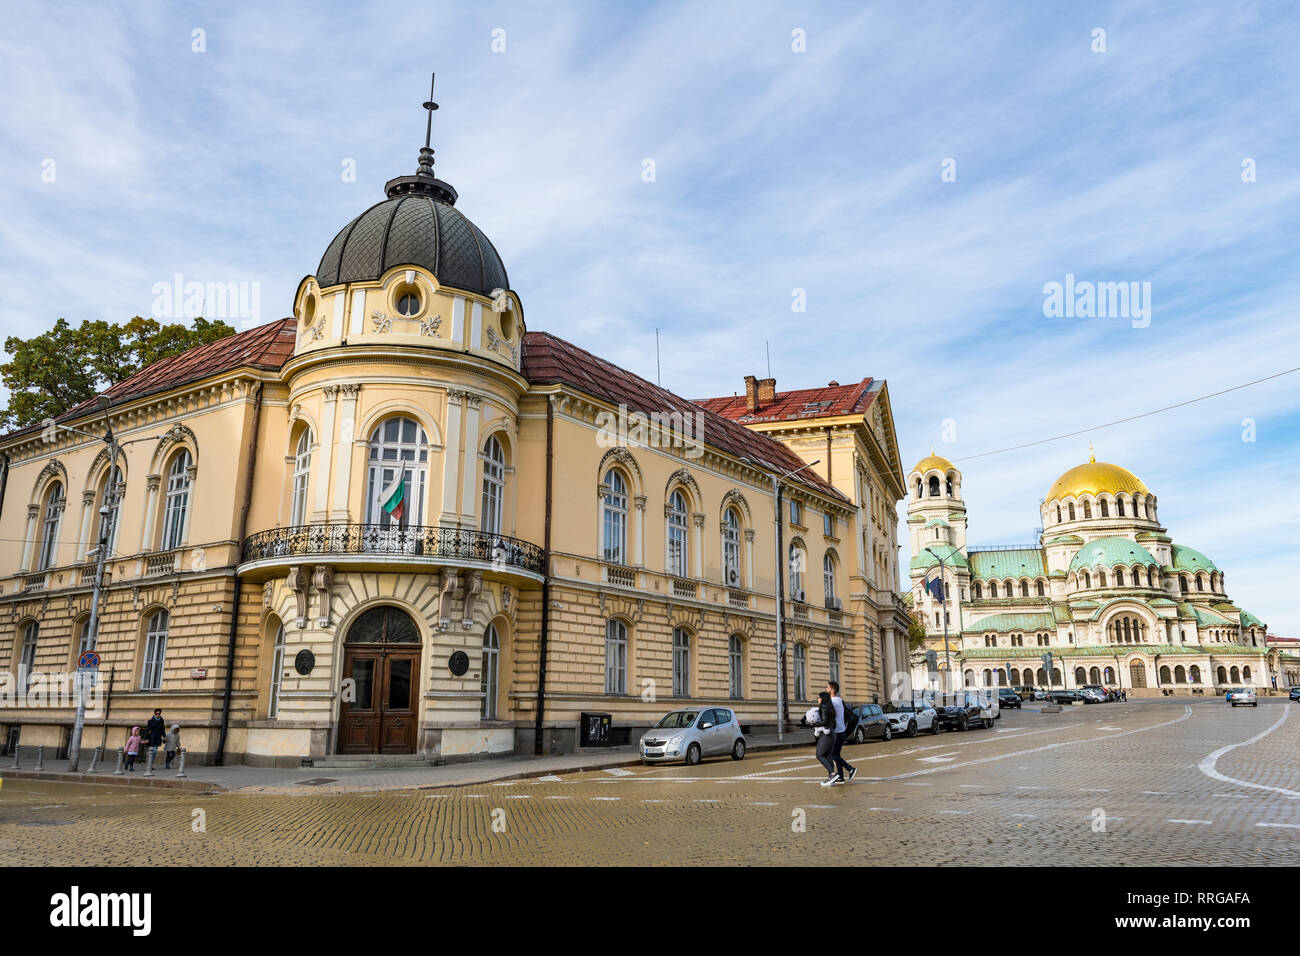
1189,559
1110,551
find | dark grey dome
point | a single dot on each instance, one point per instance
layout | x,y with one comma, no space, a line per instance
418,230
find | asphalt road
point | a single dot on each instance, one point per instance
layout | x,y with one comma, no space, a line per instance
1144,782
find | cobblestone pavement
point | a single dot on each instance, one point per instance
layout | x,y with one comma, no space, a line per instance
1147,782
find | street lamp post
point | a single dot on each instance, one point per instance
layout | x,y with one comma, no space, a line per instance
101,556
947,662
780,590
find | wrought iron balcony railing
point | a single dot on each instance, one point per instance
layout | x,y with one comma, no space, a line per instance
422,542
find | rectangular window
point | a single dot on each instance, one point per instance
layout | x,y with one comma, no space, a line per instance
155,650
796,512
828,524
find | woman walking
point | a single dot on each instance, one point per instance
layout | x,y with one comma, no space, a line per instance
824,732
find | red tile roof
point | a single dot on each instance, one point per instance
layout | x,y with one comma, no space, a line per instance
267,346
550,360
829,401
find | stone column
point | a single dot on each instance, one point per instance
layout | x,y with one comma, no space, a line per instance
33,511
699,546
749,558
321,504
469,497
343,465
638,543
451,459
83,536
152,483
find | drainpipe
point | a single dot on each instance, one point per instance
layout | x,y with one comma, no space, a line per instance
234,604
538,746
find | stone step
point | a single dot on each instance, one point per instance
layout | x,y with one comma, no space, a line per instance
371,761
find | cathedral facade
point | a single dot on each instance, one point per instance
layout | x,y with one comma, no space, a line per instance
397,522
1106,591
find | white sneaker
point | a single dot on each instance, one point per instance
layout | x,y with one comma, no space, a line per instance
836,779
829,781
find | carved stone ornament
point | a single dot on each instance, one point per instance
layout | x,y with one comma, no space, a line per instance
297,583
304,662
323,582
450,580
473,587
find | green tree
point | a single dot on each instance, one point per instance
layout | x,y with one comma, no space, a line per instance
51,372
915,633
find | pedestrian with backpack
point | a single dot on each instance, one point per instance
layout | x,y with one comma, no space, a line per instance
844,772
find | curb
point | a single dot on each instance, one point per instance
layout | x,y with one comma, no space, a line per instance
111,780
209,787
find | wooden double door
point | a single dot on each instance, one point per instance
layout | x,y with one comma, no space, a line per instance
381,716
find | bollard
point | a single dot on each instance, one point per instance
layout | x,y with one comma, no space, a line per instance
94,761
40,759
15,763
180,771
148,762
121,756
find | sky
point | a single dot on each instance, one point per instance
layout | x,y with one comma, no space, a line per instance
915,174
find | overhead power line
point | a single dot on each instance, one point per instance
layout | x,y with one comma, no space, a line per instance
1131,418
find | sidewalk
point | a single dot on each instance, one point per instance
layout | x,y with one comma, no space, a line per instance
243,779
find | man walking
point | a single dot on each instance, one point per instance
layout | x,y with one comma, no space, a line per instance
844,771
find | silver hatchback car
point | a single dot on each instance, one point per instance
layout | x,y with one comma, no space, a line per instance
693,734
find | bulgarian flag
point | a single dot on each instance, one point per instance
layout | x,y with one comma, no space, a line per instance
393,498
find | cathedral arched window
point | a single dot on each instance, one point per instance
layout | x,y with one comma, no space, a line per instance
920,492
1087,509
1058,514
1041,589
1105,508
1200,583
1182,583
934,486
949,486
993,589
1024,589
1119,577
977,591
1087,579
1119,507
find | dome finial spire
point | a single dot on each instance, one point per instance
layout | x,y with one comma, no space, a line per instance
426,154
1091,455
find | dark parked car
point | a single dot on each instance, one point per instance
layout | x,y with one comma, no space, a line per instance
872,722
1008,697
961,711
1069,697
1104,691
1295,693
1024,691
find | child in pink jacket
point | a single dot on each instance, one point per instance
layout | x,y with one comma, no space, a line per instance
133,748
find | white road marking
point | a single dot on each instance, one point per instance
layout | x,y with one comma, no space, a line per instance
1234,796
910,784
1287,826
618,772
821,806
1204,822
559,796
654,801
940,758
1207,766
1158,793
764,803
520,796
1030,816
708,800
607,798
474,796
549,778
1093,790
887,809
1029,788
1110,728
958,812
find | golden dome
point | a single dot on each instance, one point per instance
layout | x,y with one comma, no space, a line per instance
1095,478
934,461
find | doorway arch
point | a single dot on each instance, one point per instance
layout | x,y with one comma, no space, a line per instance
381,670
1137,674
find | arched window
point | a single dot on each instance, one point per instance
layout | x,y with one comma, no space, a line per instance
934,486
1087,509
681,663
828,578
1194,673
178,501
615,657
993,589
277,673
1071,507
1164,674
677,560
731,547
1200,583
494,488
1119,507
1182,583
113,498
797,564
1180,675
1101,579
1024,589
920,492
27,657
1094,675
50,526
155,650
1119,577
1041,590
1080,677
1105,508
800,673
834,664
977,591
301,469
1015,677
397,474
948,485
735,667
1245,672
614,520
1058,514
1109,675
1087,580
489,673
1236,674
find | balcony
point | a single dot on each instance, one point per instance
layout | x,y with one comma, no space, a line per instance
622,576
168,562
34,582
683,588
737,598
392,544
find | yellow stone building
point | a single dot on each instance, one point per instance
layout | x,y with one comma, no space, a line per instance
397,522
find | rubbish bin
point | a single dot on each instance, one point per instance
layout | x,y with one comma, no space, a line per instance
594,730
